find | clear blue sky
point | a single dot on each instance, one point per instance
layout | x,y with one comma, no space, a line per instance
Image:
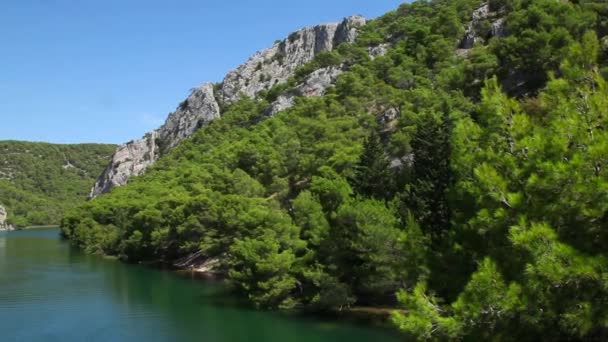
110,70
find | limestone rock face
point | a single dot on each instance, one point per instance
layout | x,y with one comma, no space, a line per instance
317,82
277,64
282,103
130,159
3,216
133,158
348,29
314,85
477,32
262,71
498,28
379,50
198,110
388,116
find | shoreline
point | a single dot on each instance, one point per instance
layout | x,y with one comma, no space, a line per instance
374,315
16,229
203,294
200,271
7,228
50,226
199,268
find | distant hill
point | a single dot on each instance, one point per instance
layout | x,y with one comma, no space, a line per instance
39,181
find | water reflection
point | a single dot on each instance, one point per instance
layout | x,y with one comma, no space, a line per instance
51,292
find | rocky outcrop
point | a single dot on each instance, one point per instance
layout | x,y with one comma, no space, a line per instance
277,64
265,69
3,220
400,163
379,50
314,85
198,110
484,25
199,263
3,216
134,157
130,159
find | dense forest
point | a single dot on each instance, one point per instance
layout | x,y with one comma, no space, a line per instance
467,187
40,181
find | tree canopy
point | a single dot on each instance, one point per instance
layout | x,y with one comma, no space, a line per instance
39,182
468,188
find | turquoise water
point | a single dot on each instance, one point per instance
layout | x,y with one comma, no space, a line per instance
51,292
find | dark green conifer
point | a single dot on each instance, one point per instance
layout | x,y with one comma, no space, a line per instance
374,176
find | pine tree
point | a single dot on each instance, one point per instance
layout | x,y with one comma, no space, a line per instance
374,176
426,195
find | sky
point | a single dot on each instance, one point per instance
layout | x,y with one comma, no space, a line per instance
107,71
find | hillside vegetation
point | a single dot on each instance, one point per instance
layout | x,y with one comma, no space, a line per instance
40,181
467,187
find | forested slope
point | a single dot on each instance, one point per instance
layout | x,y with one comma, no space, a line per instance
465,184
40,181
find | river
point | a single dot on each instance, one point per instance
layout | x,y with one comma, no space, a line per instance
52,292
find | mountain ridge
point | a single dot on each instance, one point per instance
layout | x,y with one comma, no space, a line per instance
263,70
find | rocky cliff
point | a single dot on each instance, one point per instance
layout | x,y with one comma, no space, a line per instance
3,218
276,64
132,159
263,70
486,23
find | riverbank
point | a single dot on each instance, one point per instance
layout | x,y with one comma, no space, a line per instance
87,298
7,228
40,227
372,314
197,266
10,228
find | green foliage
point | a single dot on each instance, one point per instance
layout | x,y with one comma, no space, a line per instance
322,60
373,251
426,197
491,225
530,198
263,266
424,319
309,216
39,181
374,176
540,33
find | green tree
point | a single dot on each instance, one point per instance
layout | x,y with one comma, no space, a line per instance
374,176
262,268
426,197
374,253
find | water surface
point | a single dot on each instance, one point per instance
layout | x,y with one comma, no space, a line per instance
51,292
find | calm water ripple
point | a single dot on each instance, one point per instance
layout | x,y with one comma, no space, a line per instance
51,292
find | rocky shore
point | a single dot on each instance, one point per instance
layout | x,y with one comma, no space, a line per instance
4,226
7,228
